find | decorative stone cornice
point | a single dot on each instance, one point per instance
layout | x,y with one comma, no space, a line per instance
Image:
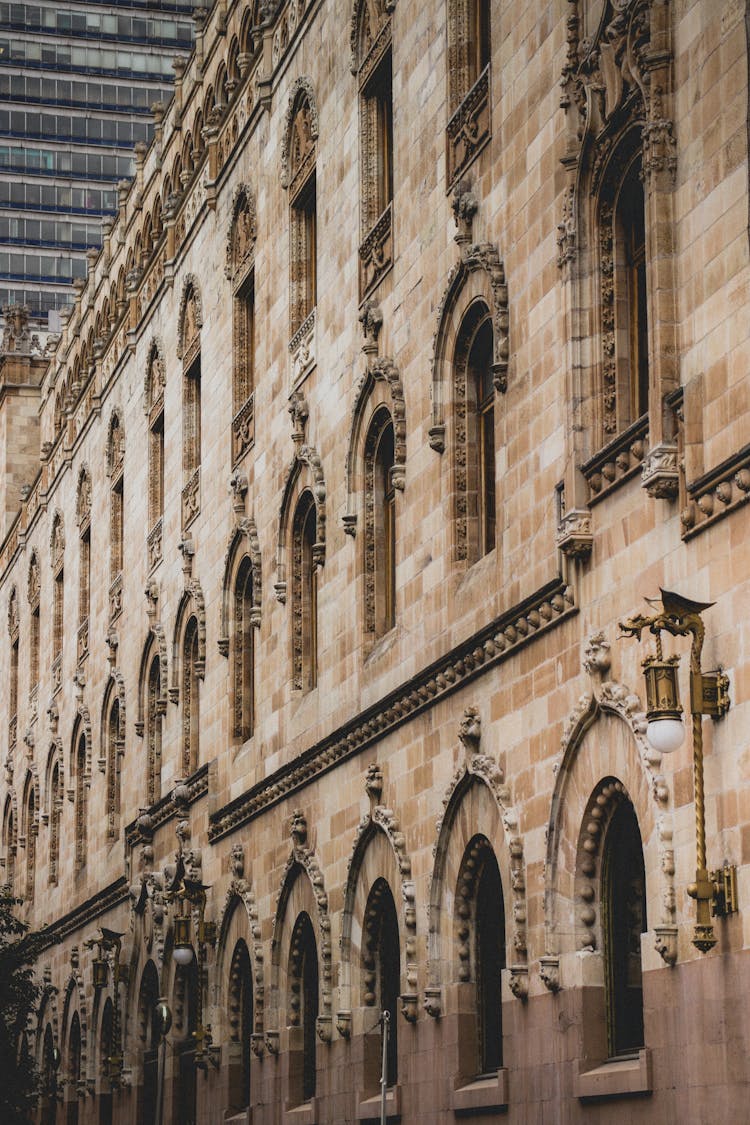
81,916
483,650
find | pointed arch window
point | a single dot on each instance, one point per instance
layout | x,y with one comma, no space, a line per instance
474,409
55,814
80,799
624,920
155,383
185,1095
83,516
303,214
10,844
149,1035
303,1011
190,698
240,269
15,633
74,1071
113,736
190,350
629,309
305,594
480,938
241,1016
375,80
380,525
381,975
58,599
116,470
243,653
31,828
154,712
34,591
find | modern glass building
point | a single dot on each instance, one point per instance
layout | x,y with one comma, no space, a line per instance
77,81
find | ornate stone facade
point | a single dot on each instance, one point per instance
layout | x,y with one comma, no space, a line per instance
223,730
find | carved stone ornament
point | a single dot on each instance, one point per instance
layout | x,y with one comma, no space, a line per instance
464,206
300,133
575,537
242,233
596,657
470,730
660,472
665,943
549,972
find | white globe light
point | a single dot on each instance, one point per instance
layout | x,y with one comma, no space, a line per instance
182,954
666,735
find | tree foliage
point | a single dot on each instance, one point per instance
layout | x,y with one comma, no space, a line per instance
19,996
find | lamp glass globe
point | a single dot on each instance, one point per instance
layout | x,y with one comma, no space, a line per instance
182,954
666,735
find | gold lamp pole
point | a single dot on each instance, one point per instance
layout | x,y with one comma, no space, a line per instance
714,892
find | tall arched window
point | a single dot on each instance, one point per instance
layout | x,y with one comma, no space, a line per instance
303,1010
55,814
148,1034
48,1100
190,352
303,212
381,977
630,305
155,383
34,591
480,938
304,594
83,516
243,655
10,844
81,800
14,631
30,832
241,1020
73,1071
116,470
240,268
185,1098
474,411
57,548
153,731
106,1048
469,50
380,526
624,920
112,758
190,699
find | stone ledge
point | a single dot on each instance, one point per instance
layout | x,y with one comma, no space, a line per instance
305,1114
368,1109
489,1093
616,1078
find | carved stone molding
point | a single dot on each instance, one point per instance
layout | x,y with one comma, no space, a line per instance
717,493
660,472
575,535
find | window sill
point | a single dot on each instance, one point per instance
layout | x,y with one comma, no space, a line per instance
616,462
617,1078
489,1093
304,1114
368,1109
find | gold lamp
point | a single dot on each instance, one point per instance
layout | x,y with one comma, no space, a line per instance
715,892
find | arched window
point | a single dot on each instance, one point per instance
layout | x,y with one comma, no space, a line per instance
73,1071
34,591
381,969
55,813
57,548
81,799
304,594
623,920
10,844
474,410
30,832
190,699
241,1020
469,50
106,1048
115,468
154,713
303,1011
303,212
480,943
240,268
243,654
380,525
185,1097
15,632
113,737
148,1033
49,1079
374,72
83,517
190,351
629,309
155,383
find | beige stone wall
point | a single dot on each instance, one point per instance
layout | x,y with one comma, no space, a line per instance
506,636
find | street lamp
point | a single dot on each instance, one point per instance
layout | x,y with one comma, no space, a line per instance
192,895
715,892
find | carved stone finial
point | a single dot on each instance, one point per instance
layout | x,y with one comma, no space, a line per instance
374,783
596,658
298,828
371,319
299,412
465,206
470,730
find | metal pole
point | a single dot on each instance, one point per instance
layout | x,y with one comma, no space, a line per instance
160,1080
385,1017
